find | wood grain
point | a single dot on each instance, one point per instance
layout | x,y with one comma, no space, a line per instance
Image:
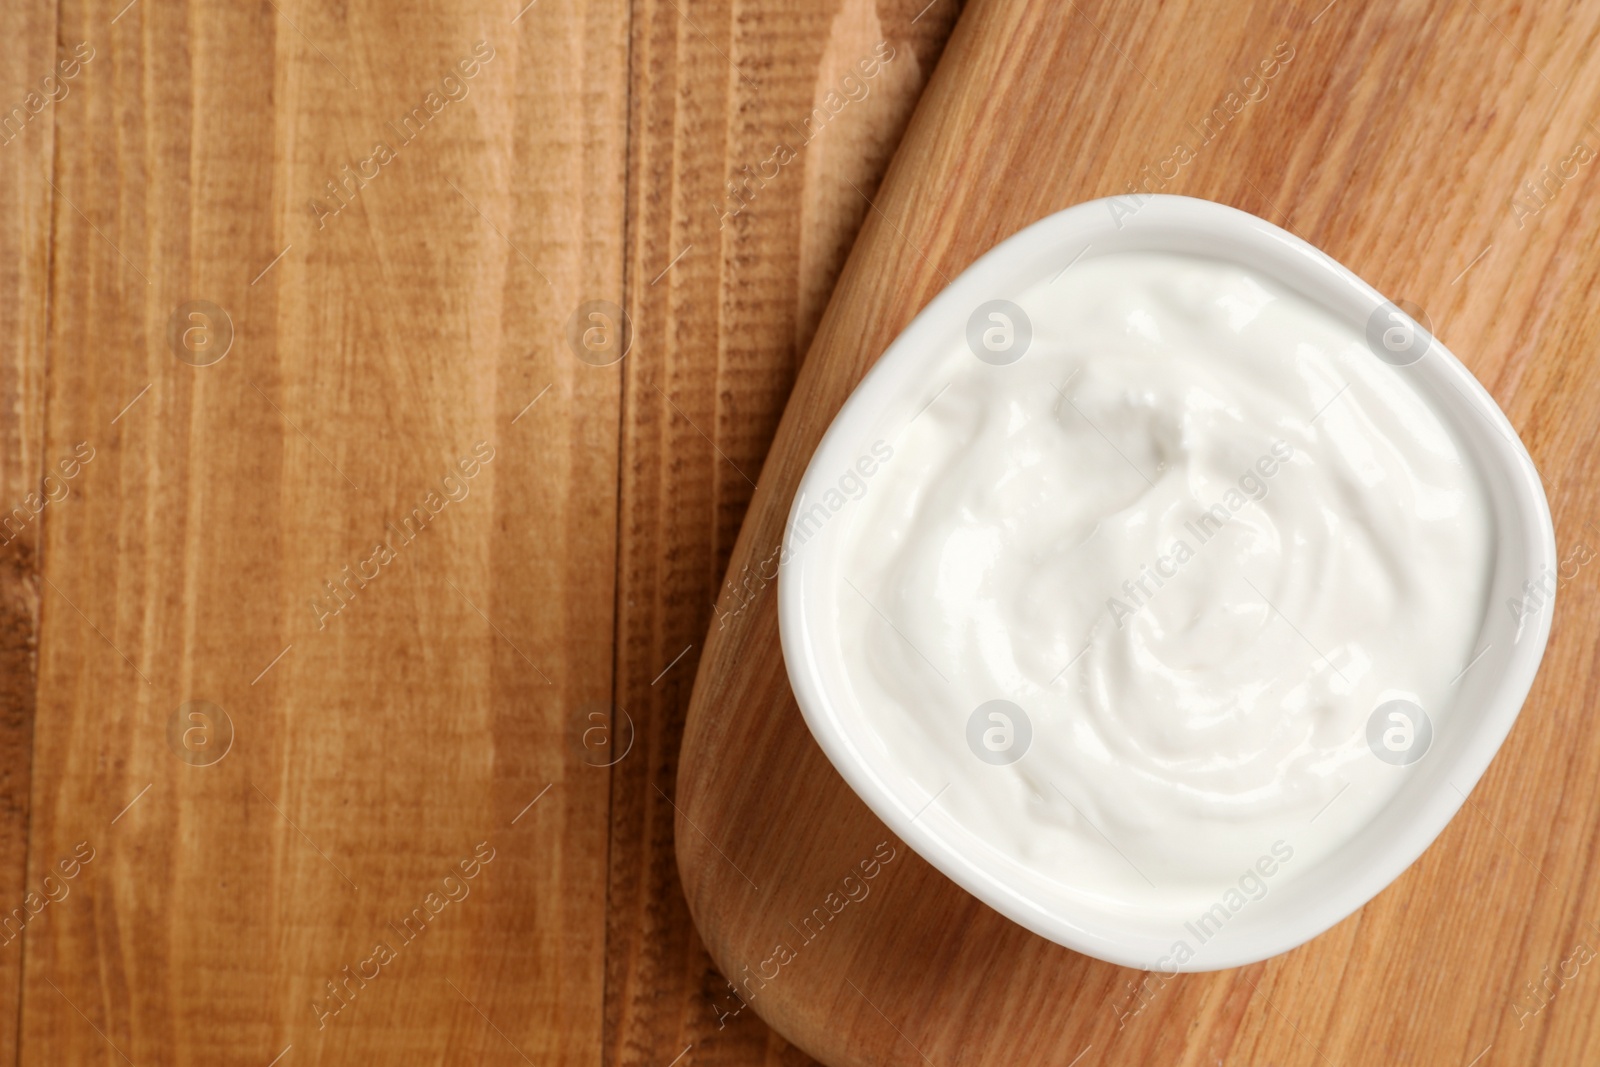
378,746
27,139
1399,138
216,539
725,292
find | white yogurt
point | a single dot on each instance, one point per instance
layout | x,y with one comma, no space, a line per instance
1198,533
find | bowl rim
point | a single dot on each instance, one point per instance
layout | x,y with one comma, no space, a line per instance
1184,224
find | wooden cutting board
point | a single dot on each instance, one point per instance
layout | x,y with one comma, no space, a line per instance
1449,152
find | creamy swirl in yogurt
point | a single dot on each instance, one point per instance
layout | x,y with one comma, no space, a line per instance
1195,537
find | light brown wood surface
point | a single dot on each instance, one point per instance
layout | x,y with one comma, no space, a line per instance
1398,138
375,749
725,293
461,701
29,33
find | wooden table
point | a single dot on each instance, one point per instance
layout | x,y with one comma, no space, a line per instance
345,649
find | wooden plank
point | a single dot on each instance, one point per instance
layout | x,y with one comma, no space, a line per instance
28,56
1411,141
734,245
386,337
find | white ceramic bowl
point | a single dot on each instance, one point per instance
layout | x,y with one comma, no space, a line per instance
1488,697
